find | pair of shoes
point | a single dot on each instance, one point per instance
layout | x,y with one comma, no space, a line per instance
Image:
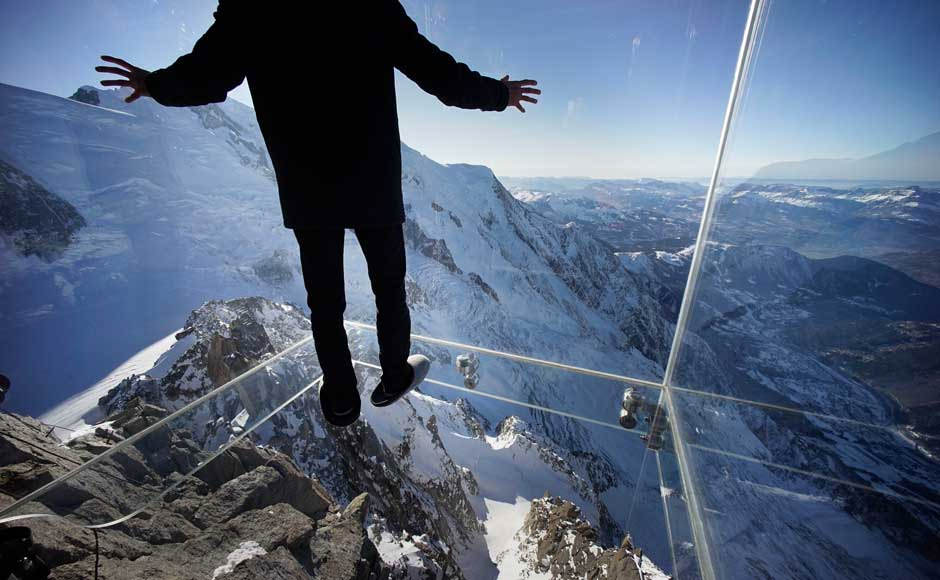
384,395
339,408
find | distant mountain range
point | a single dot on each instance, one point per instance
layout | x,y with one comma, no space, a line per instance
915,161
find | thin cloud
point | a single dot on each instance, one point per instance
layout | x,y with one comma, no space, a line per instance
634,52
575,106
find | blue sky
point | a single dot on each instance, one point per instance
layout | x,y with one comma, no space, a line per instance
630,88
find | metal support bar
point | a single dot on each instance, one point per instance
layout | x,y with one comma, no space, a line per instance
702,550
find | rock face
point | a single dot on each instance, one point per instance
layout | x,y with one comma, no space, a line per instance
557,541
415,476
267,521
87,95
37,221
428,464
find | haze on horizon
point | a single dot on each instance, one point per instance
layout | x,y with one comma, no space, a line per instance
630,89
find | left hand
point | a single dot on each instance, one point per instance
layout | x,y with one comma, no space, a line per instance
134,77
519,91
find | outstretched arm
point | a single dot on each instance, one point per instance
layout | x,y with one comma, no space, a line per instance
439,74
215,66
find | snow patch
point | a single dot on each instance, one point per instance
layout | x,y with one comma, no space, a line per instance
244,551
71,412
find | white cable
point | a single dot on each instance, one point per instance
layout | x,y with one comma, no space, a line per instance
222,449
522,358
816,475
672,545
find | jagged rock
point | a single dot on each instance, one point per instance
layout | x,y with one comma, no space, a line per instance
25,440
60,541
194,532
276,269
247,491
341,549
21,478
224,467
163,527
150,567
262,487
358,509
432,248
148,410
86,94
556,540
136,415
270,527
240,458
37,221
108,435
29,459
137,424
251,456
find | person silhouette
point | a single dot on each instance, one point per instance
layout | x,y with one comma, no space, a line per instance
337,158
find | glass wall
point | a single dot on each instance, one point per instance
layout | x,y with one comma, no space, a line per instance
806,380
643,361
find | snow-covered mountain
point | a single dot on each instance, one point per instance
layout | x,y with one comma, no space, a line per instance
163,238
438,470
178,214
767,315
169,198
182,218
630,215
826,222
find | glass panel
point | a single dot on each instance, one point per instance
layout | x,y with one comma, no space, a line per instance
806,379
487,467
146,453
810,526
613,474
554,267
145,263
496,377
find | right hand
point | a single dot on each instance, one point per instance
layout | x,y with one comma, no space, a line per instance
134,77
519,91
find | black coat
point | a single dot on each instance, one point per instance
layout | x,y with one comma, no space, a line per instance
322,81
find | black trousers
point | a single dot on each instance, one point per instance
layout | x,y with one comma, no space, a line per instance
321,258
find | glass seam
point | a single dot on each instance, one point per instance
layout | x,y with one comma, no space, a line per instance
703,552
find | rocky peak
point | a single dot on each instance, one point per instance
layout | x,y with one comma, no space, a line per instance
251,514
86,94
37,221
557,540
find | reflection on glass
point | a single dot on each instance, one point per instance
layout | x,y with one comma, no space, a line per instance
805,377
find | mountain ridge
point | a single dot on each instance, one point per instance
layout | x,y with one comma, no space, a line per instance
913,161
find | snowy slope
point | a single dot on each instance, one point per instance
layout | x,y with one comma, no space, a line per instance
179,212
168,195
756,311
438,470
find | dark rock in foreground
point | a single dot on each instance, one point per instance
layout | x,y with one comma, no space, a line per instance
252,514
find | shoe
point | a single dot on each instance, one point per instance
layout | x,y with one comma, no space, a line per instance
418,366
337,410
